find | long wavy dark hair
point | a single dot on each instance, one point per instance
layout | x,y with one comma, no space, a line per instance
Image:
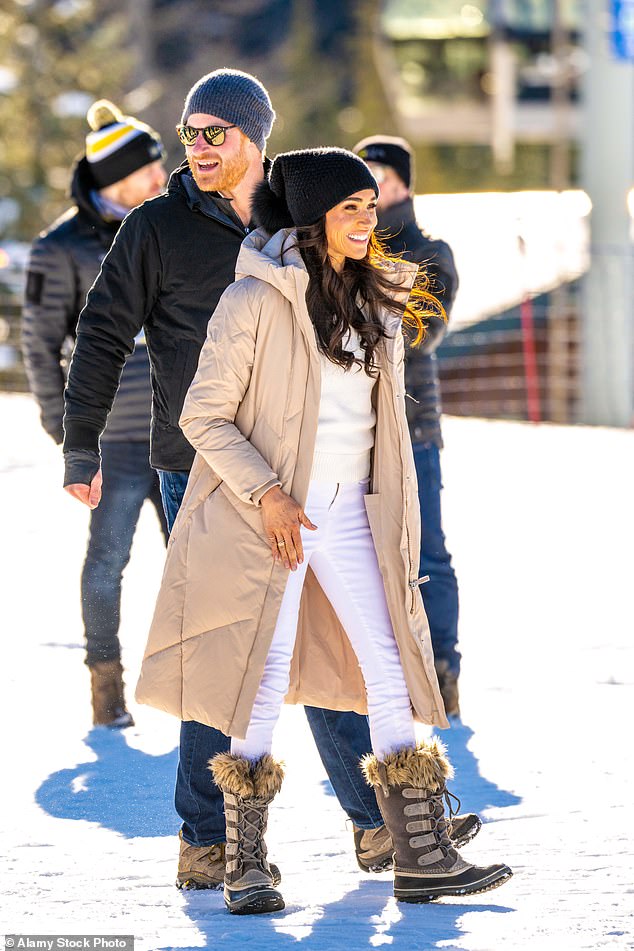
355,296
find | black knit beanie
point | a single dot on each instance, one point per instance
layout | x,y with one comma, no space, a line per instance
238,98
118,145
389,150
302,186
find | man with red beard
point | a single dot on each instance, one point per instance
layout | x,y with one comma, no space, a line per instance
172,259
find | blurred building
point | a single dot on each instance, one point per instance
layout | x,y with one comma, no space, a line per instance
479,72
464,80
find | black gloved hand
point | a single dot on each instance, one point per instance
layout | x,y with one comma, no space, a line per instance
80,466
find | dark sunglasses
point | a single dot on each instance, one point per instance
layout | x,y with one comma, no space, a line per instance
212,134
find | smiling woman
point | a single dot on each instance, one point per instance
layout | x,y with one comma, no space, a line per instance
333,202
303,459
349,226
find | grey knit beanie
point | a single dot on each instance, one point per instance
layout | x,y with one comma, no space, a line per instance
238,98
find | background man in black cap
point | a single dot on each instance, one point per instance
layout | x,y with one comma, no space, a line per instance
122,167
392,163
172,260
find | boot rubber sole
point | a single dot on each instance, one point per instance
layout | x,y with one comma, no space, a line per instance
421,893
194,884
118,723
380,865
260,900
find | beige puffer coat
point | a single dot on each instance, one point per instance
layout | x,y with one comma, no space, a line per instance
251,413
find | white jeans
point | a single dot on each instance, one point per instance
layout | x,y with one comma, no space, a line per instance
341,553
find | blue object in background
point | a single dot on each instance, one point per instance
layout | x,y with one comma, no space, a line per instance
622,29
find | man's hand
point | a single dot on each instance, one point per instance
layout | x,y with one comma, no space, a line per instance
90,495
82,476
282,518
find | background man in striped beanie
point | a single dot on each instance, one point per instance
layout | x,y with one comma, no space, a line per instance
122,166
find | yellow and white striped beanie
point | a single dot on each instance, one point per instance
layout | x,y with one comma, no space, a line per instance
118,145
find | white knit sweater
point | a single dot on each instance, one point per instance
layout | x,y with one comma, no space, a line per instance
345,431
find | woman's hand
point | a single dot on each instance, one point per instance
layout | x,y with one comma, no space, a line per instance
282,517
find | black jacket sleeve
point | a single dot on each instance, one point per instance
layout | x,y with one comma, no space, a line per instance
117,306
437,259
48,322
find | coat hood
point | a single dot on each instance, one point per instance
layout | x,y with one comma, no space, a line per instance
82,183
174,183
274,259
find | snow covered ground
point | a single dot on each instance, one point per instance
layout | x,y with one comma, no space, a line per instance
541,521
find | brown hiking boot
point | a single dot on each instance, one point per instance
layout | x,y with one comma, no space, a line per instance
463,828
448,683
410,786
248,789
373,849
203,866
200,866
108,703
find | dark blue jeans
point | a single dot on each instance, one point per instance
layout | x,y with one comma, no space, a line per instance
440,594
341,738
128,480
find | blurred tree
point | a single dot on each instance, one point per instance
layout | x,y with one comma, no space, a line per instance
315,57
327,64
57,57
315,82
470,168
327,91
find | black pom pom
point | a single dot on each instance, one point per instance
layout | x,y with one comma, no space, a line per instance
269,211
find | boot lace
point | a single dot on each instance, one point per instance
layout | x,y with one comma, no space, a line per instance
253,826
448,796
441,826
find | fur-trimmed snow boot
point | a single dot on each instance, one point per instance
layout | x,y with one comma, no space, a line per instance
409,786
248,789
108,701
374,850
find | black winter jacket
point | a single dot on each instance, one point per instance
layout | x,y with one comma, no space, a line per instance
167,268
403,236
63,263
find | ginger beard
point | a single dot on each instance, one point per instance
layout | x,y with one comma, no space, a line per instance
229,172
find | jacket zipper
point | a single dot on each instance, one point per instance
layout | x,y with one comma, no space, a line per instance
415,584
